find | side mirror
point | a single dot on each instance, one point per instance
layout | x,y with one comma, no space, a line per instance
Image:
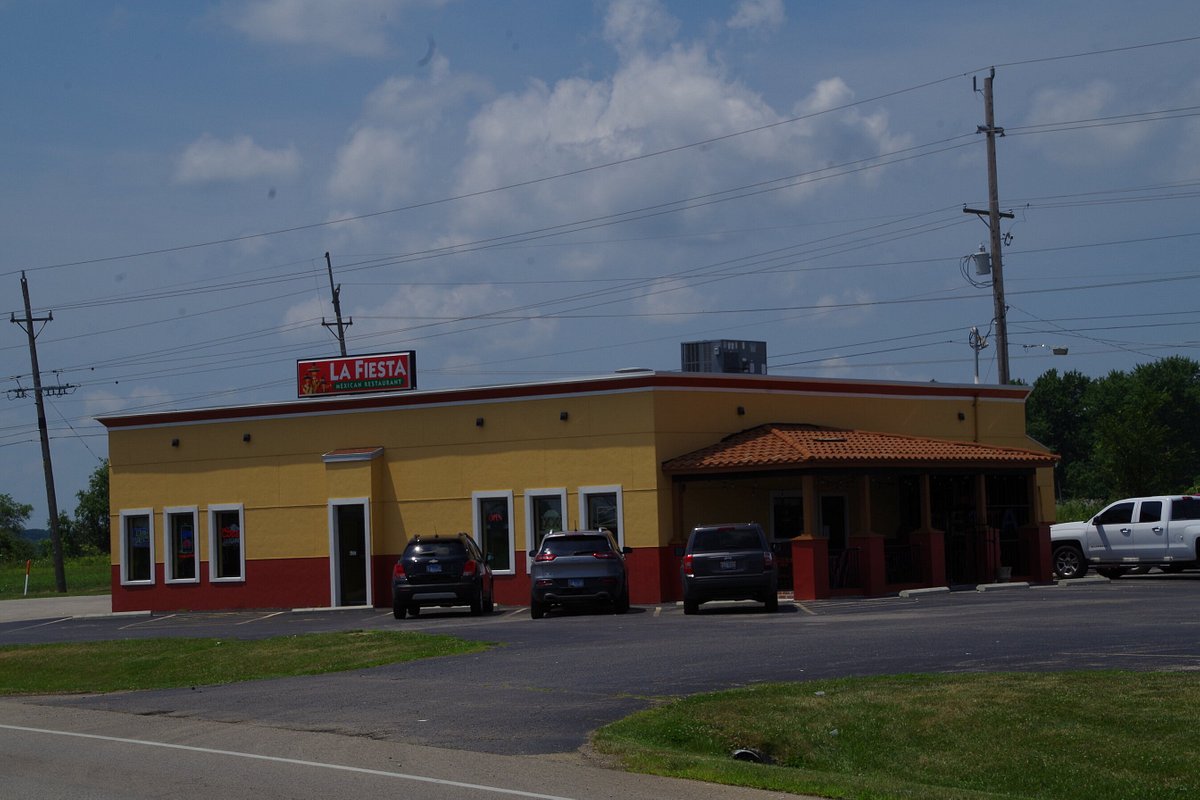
626,550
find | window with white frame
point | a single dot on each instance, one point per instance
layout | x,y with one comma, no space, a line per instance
491,516
180,550
137,546
545,511
227,543
602,507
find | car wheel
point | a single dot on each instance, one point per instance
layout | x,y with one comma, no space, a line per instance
690,607
1068,562
489,605
1112,573
622,604
399,610
537,610
414,609
771,602
477,601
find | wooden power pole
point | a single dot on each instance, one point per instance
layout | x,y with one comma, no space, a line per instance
27,324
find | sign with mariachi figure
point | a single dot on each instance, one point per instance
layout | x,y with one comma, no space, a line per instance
384,372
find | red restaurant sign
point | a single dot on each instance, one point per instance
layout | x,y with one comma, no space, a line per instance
387,372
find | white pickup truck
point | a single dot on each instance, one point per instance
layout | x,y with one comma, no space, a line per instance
1138,532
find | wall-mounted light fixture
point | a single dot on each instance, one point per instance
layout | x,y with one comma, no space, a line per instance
174,443
479,422
961,416
245,437
741,411
563,415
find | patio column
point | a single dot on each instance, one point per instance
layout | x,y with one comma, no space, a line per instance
872,567
932,542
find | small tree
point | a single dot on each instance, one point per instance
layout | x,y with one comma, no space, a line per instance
12,523
90,529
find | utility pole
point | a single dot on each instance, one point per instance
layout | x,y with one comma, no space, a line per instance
60,576
994,215
337,308
1001,310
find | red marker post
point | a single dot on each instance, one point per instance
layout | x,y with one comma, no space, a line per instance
27,563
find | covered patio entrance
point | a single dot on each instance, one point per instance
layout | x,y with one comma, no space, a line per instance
861,513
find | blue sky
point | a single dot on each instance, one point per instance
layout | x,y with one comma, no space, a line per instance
524,191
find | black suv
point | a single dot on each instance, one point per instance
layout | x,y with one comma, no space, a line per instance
729,562
441,571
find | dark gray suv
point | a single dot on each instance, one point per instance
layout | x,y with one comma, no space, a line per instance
578,568
729,562
441,571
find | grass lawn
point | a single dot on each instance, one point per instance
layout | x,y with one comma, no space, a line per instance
1092,735
163,663
86,575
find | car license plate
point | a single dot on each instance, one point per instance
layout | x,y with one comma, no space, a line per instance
575,583
433,568
729,564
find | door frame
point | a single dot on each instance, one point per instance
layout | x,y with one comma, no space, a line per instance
335,574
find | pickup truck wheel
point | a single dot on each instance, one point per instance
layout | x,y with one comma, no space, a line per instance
1069,562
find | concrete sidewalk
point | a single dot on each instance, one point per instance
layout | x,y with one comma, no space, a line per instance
54,607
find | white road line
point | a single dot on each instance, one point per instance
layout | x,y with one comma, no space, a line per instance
803,608
296,761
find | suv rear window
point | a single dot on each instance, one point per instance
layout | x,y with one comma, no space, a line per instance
576,545
715,540
436,549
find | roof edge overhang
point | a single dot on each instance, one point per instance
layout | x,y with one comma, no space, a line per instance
606,384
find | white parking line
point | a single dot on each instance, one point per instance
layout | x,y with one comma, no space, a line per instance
143,622
40,625
260,619
296,761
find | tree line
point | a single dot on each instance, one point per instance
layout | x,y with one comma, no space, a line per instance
84,534
1127,434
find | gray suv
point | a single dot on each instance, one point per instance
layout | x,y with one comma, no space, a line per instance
578,568
729,562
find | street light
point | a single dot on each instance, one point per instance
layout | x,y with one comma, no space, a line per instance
1058,349
977,342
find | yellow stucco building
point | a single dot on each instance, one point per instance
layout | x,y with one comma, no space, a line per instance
866,487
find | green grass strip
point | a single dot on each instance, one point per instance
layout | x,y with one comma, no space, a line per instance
1093,735
84,575
112,666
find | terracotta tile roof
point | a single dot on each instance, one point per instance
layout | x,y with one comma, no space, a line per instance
781,445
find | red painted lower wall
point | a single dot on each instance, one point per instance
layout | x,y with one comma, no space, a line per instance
304,583
276,583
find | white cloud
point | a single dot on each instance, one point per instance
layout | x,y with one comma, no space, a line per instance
377,164
630,25
353,27
1086,145
211,160
758,15
386,156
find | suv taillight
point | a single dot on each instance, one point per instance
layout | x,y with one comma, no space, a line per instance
398,570
468,569
545,557
768,560
687,566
